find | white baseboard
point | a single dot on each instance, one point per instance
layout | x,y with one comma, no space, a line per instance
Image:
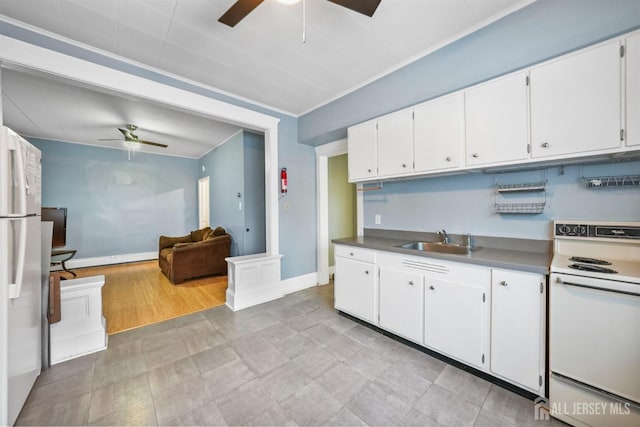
299,283
106,260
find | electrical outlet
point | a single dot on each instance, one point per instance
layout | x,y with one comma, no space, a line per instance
378,219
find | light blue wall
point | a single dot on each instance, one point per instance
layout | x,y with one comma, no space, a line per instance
297,225
254,214
224,167
464,203
236,183
116,206
542,30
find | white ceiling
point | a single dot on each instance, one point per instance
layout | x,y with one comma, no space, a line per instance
263,58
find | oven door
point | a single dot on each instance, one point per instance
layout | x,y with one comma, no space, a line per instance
594,333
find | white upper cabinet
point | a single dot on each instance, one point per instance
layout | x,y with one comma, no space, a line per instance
438,133
362,149
395,144
633,90
576,102
496,121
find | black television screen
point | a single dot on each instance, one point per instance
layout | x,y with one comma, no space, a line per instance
59,218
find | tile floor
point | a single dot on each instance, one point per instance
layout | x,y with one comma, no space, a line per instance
293,361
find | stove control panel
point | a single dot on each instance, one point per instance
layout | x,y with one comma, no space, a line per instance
609,231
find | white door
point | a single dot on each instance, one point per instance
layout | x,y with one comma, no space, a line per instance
438,133
203,202
401,303
496,120
517,327
633,90
355,288
363,152
575,103
395,143
455,319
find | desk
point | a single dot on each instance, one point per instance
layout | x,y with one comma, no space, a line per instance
60,256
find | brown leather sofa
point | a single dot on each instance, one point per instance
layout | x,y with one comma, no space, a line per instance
198,254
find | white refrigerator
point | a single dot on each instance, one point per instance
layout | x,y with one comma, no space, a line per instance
20,267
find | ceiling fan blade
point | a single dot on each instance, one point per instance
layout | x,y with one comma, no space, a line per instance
238,11
125,132
156,144
366,7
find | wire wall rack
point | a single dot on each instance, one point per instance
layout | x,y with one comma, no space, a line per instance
519,208
521,188
612,181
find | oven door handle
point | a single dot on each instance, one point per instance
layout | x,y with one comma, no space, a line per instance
597,288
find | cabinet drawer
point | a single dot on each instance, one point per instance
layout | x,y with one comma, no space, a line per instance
355,253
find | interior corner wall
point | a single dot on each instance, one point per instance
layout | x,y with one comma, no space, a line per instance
117,206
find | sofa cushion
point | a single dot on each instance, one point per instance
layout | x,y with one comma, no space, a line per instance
219,231
199,235
168,242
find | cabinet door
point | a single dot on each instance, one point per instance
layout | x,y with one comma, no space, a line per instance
401,303
517,327
438,133
355,288
575,103
496,121
395,144
633,90
362,151
455,320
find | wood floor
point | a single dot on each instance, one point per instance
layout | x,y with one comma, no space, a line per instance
138,294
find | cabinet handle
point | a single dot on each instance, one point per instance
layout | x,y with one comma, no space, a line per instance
369,170
366,272
476,155
545,145
432,288
351,254
504,283
404,165
448,159
411,282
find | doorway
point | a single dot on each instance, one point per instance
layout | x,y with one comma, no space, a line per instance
341,203
323,154
203,202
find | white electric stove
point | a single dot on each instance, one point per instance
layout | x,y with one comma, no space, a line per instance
594,323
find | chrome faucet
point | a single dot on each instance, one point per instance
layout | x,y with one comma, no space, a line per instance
445,237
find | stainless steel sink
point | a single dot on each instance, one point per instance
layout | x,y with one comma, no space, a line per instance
447,248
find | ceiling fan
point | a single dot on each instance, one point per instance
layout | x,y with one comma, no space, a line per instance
130,137
242,8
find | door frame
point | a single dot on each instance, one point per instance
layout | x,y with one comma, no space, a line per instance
203,202
323,152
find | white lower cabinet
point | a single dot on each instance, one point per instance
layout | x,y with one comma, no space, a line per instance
355,285
517,328
401,302
491,319
456,320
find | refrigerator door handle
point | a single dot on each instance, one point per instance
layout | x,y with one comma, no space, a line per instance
21,177
15,289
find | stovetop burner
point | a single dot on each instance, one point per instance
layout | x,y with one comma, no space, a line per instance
589,260
593,268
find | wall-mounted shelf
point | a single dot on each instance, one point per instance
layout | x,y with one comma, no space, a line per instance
612,181
505,194
521,188
519,208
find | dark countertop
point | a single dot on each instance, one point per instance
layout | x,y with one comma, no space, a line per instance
513,254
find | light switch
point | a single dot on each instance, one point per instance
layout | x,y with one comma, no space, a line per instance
378,219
